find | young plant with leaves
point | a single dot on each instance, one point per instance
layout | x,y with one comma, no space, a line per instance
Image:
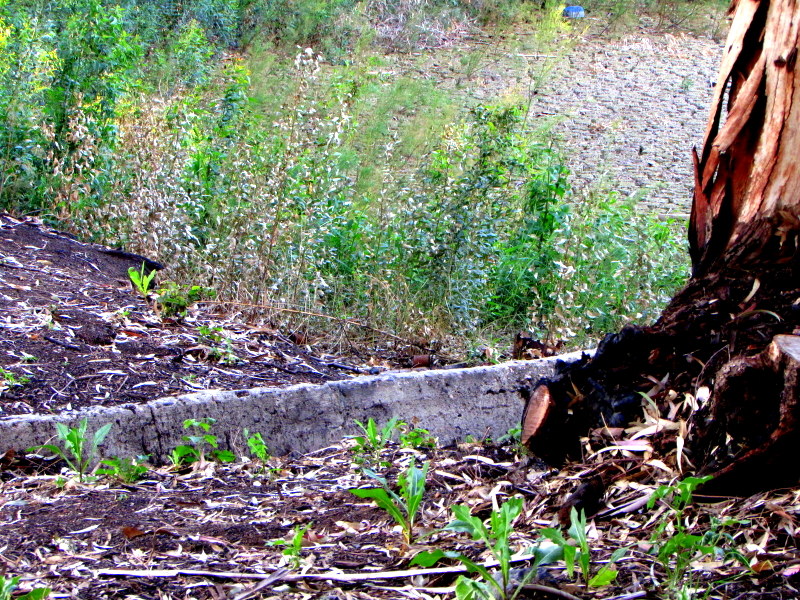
402,507
374,440
142,279
496,538
416,438
200,445
676,546
78,450
126,470
576,550
9,586
293,546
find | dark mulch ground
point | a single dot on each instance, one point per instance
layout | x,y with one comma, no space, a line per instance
216,531
74,333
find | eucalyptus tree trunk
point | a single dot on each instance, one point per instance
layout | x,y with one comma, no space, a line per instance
730,330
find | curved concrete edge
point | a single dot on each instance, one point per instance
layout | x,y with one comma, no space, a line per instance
449,403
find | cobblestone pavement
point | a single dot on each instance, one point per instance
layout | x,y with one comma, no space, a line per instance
632,109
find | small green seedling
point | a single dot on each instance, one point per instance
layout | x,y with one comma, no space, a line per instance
257,445
126,470
196,450
11,379
78,449
402,507
512,435
221,346
294,545
173,300
576,550
496,537
142,279
674,544
374,440
9,586
416,438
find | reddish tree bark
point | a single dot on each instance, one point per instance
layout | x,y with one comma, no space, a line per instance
721,329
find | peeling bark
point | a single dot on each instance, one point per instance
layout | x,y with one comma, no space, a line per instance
730,327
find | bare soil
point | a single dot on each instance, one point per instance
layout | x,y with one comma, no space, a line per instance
75,333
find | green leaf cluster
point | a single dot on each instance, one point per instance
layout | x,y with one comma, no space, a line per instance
78,449
200,444
676,545
401,507
579,553
9,586
495,536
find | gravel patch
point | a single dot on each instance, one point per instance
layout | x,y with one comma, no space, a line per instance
632,110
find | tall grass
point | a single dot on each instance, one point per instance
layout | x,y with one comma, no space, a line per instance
481,229
305,184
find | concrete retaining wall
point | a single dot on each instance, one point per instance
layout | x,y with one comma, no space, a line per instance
449,403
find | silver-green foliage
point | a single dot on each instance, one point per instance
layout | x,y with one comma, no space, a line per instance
477,229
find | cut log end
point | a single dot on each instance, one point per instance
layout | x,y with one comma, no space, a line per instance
536,411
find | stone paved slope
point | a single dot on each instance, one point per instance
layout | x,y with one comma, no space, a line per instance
633,108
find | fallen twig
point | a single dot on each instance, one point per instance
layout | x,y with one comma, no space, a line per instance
329,576
58,342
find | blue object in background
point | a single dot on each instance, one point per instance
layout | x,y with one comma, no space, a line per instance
574,12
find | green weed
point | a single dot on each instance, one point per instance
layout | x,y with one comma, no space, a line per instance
496,538
401,507
126,470
9,586
257,446
142,279
173,300
576,551
221,346
372,443
11,379
294,545
416,438
676,546
78,450
200,445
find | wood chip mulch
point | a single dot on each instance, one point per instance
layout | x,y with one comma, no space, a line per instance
213,531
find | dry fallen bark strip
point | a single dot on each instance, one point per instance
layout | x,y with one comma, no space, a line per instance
330,576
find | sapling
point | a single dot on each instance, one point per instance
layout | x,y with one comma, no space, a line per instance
496,537
78,449
402,507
